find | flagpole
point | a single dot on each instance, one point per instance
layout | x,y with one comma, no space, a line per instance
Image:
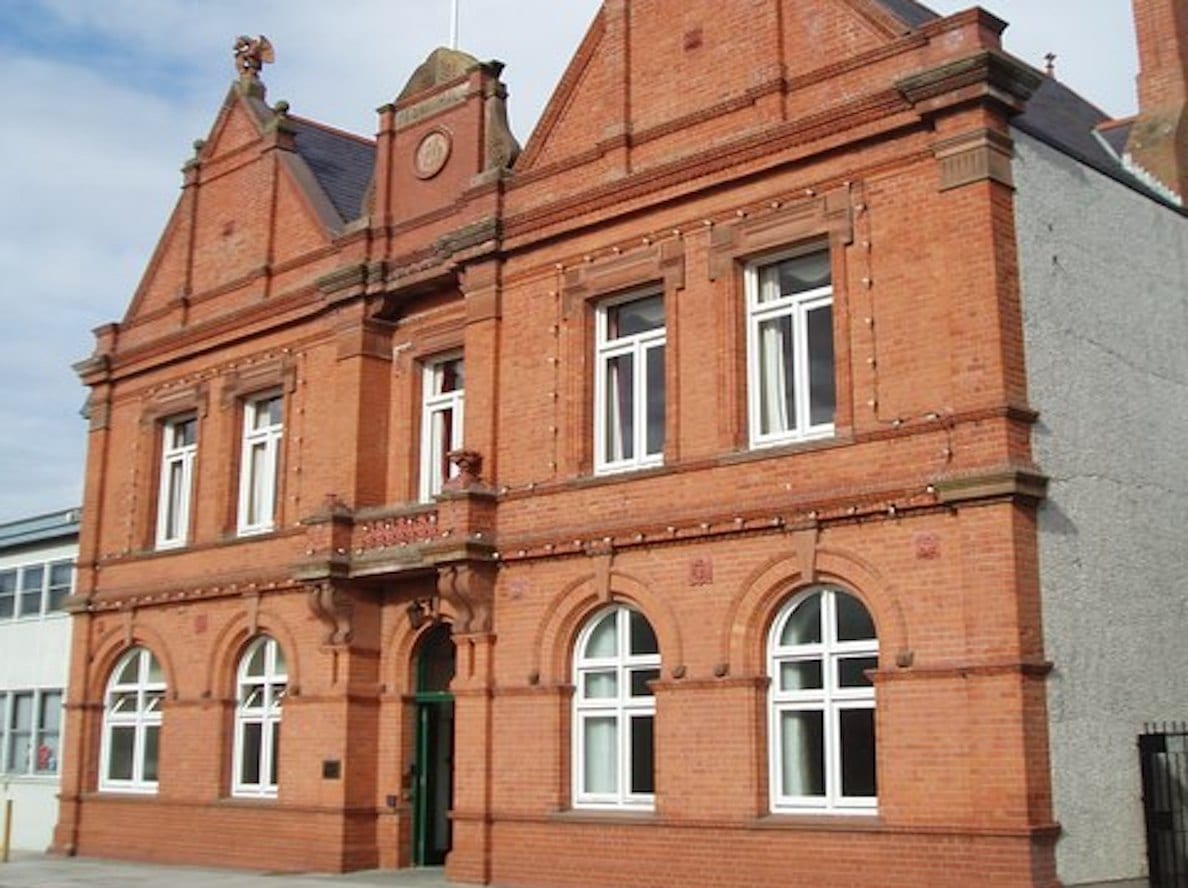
453,24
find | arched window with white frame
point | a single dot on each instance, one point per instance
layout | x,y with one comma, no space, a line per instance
262,681
820,651
615,657
130,750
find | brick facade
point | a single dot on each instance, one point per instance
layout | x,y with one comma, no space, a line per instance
685,141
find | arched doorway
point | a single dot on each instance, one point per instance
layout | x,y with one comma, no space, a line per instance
433,768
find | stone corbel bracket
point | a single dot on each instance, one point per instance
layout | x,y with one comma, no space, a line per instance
332,605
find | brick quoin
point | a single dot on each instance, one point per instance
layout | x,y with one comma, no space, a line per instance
686,140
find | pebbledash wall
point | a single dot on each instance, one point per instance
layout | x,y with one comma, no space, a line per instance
1105,273
36,577
663,504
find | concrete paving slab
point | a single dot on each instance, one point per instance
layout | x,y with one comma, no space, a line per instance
27,870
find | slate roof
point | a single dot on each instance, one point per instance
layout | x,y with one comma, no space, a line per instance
343,164
910,12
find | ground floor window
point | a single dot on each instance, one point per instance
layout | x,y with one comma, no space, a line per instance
262,684
616,655
31,731
821,648
132,723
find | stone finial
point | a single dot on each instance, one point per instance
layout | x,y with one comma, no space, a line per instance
251,54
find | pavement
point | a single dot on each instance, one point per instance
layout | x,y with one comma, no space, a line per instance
30,870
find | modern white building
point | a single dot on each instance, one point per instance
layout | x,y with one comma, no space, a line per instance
36,575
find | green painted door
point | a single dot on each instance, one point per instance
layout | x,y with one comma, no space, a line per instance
433,785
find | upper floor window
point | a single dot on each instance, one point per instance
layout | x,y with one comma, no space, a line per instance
132,723
35,589
31,732
179,445
790,365
262,683
629,397
822,704
259,468
616,655
441,421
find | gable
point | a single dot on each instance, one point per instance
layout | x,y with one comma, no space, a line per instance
263,189
651,72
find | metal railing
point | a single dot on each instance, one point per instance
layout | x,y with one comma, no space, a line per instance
1163,754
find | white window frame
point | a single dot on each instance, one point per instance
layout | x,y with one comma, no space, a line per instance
45,589
260,482
830,700
258,703
143,717
43,750
636,346
175,490
622,707
437,406
797,307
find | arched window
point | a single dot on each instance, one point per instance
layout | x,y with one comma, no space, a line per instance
132,724
822,712
614,711
262,682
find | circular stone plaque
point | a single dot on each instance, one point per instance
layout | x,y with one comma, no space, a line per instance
432,154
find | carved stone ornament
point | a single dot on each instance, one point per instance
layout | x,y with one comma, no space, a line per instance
251,54
470,469
333,607
432,154
470,591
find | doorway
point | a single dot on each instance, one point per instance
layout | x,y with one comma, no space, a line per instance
433,758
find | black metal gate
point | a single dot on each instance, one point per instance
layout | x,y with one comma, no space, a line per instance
1163,752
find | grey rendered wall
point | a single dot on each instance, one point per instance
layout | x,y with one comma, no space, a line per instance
1105,304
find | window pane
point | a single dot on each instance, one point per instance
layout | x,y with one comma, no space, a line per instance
620,409
638,316
643,749
822,397
152,735
280,669
604,639
802,751
19,753
858,752
643,637
7,593
804,273
129,673
119,760
22,712
777,376
601,686
61,583
173,500
599,742
447,377
804,625
51,712
258,485
249,756
185,433
853,619
255,663
47,754
123,703
32,581
804,675
851,671
656,402
275,757
155,675
640,679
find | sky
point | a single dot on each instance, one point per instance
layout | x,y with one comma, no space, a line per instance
102,100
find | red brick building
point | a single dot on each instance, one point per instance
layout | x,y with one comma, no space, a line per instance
656,505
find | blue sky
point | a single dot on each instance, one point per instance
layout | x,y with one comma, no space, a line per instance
103,98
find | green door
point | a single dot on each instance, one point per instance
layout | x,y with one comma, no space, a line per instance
433,784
